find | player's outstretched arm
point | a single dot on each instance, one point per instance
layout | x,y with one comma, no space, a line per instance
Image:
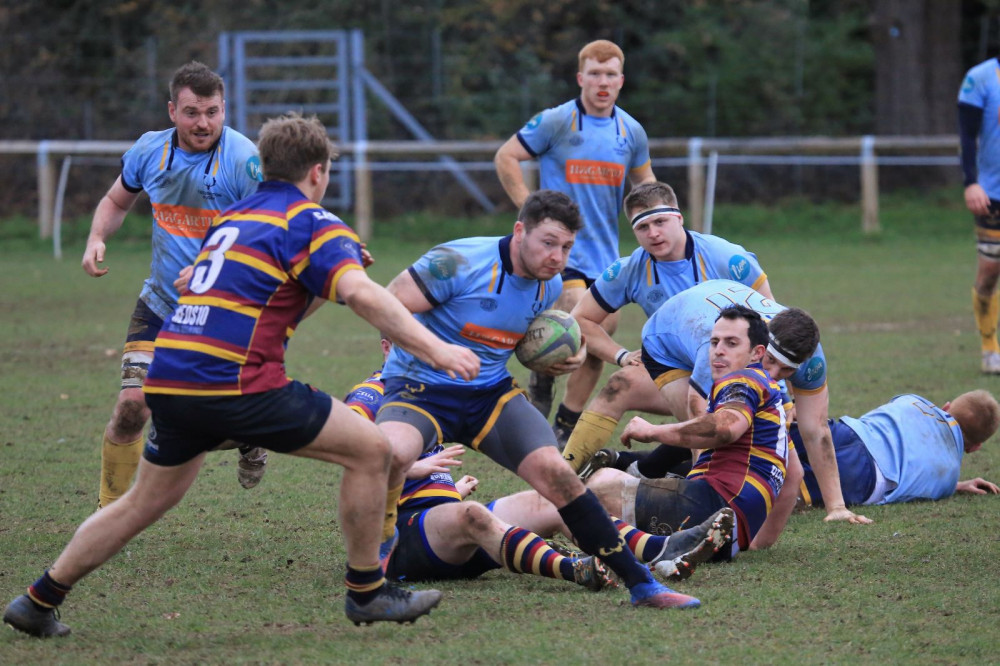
108,218
383,310
590,315
977,486
710,431
811,411
507,162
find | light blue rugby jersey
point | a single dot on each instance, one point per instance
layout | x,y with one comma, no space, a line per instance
589,159
478,303
187,191
641,279
917,446
677,335
981,88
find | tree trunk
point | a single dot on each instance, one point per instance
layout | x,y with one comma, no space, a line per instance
917,66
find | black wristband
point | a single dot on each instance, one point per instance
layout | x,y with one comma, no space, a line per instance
621,354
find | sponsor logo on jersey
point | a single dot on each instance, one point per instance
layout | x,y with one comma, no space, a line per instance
968,85
815,369
491,337
183,220
534,122
444,262
594,172
190,315
612,271
488,304
739,267
253,168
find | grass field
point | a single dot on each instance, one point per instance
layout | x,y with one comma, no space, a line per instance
234,576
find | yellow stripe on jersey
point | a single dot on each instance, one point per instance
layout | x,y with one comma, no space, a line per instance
254,262
166,151
306,205
802,391
223,304
190,391
759,281
767,416
275,220
649,272
701,268
208,350
339,274
317,243
572,120
768,456
493,277
642,166
739,409
764,491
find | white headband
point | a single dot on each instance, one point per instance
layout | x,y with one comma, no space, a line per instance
659,210
775,350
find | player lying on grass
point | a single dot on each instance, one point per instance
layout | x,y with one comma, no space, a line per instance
908,449
742,437
669,260
675,344
443,537
482,294
219,374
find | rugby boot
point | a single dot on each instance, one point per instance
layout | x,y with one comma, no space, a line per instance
591,573
991,363
684,550
603,458
251,465
656,595
541,392
393,603
25,615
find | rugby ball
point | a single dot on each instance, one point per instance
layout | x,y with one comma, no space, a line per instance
552,337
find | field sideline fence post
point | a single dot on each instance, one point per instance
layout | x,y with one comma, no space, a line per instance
869,186
46,189
696,185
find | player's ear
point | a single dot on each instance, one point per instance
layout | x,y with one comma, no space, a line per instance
757,353
946,406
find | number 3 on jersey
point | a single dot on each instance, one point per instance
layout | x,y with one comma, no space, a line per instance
205,275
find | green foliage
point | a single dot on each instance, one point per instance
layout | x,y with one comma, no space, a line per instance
234,576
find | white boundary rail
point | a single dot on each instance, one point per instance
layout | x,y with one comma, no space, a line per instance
701,156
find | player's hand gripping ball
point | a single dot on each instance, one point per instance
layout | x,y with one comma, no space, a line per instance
552,337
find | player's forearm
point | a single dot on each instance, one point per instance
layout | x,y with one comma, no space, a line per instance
509,172
108,218
599,343
376,305
710,431
823,459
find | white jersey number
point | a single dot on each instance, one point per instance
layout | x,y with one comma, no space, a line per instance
205,275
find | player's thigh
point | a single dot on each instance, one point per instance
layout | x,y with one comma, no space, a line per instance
347,437
451,529
529,510
518,431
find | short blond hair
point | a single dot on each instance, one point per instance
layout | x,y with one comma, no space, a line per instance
601,50
978,415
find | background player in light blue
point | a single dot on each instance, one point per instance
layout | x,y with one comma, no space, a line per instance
191,173
669,260
979,132
587,148
908,449
483,293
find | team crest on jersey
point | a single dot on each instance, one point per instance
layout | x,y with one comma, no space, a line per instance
739,267
488,304
655,295
612,271
206,192
576,140
444,262
815,369
534,122
350,248
409,392
253,168
622,142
